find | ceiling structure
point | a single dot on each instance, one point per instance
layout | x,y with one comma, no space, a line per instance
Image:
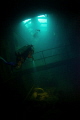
15,11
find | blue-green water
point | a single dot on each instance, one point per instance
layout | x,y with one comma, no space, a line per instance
49,84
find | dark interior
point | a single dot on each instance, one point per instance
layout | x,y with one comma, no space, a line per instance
61,79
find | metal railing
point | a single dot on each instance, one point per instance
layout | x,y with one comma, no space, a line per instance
52,55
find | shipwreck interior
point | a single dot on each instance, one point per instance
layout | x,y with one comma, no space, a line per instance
48,86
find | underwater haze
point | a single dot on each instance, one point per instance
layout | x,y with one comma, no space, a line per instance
50,84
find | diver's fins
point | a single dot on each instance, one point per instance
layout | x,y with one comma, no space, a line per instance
9,63
3,59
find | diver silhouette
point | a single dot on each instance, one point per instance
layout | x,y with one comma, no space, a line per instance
36,33
21,55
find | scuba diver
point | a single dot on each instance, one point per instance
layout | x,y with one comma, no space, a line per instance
36,33
21,55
